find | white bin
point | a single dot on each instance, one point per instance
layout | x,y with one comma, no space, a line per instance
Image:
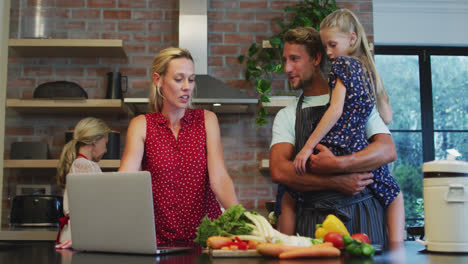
445,193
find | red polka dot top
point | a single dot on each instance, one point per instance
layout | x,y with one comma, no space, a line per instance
181,189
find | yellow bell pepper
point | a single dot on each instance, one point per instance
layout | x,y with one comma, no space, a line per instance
330,224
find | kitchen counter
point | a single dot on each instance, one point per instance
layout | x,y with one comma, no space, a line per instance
44,252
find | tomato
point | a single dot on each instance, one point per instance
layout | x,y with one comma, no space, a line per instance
361,237
335,238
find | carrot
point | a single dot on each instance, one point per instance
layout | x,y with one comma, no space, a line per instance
324,251
217,242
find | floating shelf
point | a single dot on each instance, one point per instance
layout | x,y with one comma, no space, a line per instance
43,235
52,163
278,102
67,47
140,105
84,106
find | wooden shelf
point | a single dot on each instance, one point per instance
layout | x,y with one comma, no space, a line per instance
84,106
43,235
278,102
52,163
67,47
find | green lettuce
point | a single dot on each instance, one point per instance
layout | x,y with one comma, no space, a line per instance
231,222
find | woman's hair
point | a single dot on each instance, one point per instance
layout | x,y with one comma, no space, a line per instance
345,21
87,131
310,38
160,65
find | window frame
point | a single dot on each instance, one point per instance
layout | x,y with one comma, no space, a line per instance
425,84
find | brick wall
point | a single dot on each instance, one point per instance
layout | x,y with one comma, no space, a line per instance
146,26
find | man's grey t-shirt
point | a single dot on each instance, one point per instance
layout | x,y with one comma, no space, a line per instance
285,120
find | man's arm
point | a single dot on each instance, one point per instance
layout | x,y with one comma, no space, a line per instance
282,171
379,152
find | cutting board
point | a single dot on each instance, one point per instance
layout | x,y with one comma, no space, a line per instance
218,253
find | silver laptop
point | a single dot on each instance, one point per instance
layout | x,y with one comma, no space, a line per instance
113,212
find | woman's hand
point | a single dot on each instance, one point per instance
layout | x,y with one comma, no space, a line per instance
65,244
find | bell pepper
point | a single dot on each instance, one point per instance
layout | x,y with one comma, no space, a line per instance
330,224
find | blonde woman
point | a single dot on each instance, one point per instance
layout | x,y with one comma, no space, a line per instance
80,155
181,148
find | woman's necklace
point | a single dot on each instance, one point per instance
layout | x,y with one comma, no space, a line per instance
81,155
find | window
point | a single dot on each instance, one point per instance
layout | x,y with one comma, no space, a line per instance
428,88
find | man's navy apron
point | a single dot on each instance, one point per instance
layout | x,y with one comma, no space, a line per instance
361,213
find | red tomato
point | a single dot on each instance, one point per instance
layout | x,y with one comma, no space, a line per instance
362,237
335,238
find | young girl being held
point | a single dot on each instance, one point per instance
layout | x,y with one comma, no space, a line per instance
355,88
80,155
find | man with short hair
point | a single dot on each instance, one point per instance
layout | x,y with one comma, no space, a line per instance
338,183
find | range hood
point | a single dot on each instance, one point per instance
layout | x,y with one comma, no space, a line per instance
210,93
193,35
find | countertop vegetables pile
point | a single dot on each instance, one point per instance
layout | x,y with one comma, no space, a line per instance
237,229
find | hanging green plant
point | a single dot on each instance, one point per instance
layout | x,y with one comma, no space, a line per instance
263,63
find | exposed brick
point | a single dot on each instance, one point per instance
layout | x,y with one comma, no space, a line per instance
141,83
102,3
71,25
215,38
254,4
247,155
223,49
37,71
112,35
117,14
163,27
365,7
240,15
255,192
143,60
226,73
215,15
238,38
365,18
171,14
140,72
222,27
132,26
227,142
22,82
114,61
62,71
62,13
147,15
84,35
241,84
86,13
132,3
135,48
147,37
215,61
98,71
88,83
19,130
224,4
252,27
164,4
76,61
170,37
243,179
101,26
281,4
269,16
70,3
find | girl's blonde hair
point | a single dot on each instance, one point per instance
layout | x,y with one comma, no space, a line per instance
87,131
160,65
346,21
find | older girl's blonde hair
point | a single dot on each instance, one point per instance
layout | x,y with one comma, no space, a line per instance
345,21
160,65
87,131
